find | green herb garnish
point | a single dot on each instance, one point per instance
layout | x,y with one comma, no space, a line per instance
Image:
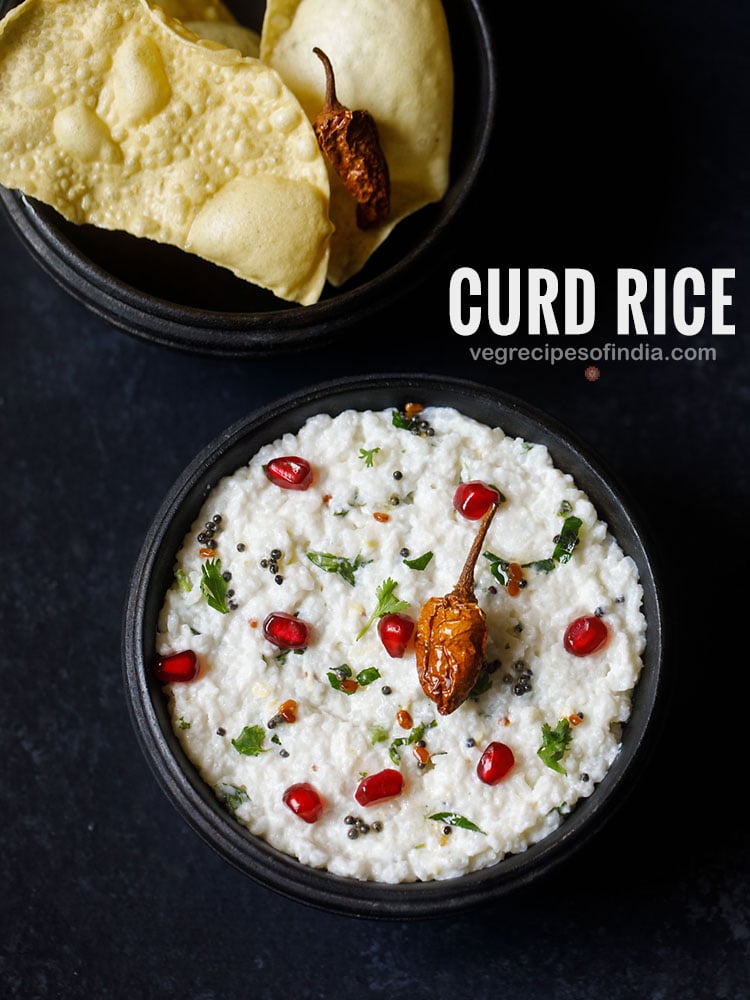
214,586
378,734
337,676
540,565
387,604
482,686
419,563
454,819
183,581
554,744
367,676
402,421
346,568
498,568
565,508
279,657
344,672
368,456
234,798
414,736
183,723
416,424
250,741
568,539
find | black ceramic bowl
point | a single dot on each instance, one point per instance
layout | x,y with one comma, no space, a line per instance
197,803
175,299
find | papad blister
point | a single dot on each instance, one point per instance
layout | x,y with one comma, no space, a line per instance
116,115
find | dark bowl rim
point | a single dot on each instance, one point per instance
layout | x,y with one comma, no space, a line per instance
197,804
236,334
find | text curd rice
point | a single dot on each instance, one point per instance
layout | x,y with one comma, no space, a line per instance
288,700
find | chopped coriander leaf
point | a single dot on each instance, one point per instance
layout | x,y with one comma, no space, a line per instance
279,657
250,741
454,819
554,744
482,686
378,734
346,568
368,456
498,568
337,677
367,676
414,736
419,563
401,420
540,565
341,678
183,723
565,508
568,539
387,604
502,497
235,797
183,581
214,586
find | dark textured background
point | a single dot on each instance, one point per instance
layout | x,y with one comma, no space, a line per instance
621,140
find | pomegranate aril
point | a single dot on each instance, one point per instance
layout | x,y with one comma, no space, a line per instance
395,631
474,499
183,666
375,787
495,763
286,631
304,801
289,472
585,635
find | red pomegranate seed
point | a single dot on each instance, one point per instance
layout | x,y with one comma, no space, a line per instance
474,499
286,631
289,472
585,635
383,785
495,763
182,666
304,801
395,631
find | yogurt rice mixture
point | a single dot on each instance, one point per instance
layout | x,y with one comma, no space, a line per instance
286,650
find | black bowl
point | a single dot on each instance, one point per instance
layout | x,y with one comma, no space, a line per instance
196,802
162,295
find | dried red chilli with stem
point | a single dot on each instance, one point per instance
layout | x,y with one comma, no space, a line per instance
351,144
451,635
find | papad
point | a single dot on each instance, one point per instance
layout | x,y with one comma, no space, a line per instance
113,114
393,59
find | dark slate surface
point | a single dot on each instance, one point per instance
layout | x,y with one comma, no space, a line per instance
621,141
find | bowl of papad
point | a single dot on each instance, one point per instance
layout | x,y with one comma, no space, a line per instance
160,162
